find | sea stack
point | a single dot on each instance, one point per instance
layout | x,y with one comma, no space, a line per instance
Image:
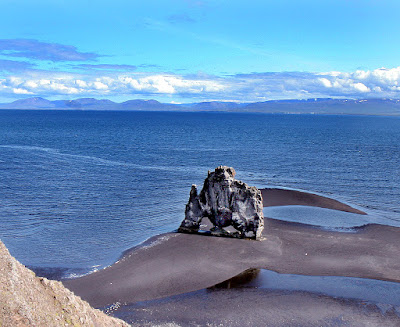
224,207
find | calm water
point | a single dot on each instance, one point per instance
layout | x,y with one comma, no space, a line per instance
78,188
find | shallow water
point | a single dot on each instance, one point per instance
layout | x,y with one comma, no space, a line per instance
79,188
376,291
324,218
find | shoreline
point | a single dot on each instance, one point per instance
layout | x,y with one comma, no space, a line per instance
172,271
281,197
176,263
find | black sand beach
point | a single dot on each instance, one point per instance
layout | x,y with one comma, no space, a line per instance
175,264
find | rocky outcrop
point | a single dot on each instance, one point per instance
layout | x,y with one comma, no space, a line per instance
224,207
27,300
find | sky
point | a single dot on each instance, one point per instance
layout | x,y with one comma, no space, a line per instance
180,51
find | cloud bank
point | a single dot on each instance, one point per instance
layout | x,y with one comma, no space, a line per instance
77,75
242,87
160,84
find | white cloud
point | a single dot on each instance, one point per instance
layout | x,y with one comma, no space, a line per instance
123,84
20,91
361,74
32,84
325,82
14,81
361,87
362,82
100,86
81,84
170,84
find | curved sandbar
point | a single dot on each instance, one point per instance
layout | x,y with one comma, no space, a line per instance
175,263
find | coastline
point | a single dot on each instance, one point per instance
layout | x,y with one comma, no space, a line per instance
156,282
176,279
174,263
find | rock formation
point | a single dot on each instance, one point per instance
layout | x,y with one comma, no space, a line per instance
224,207
27,300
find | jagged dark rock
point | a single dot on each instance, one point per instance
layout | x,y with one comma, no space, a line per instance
224,207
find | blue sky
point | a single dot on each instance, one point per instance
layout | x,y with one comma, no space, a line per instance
199,50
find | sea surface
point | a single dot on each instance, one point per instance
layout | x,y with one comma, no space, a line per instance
77,188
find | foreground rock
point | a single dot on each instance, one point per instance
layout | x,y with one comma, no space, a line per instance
27,300
224,207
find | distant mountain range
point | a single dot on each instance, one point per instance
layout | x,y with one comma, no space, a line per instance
309,106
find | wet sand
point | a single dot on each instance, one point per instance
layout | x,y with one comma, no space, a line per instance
173,263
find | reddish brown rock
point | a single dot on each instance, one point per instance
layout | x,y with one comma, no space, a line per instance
27,300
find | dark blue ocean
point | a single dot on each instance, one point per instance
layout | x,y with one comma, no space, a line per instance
78,188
